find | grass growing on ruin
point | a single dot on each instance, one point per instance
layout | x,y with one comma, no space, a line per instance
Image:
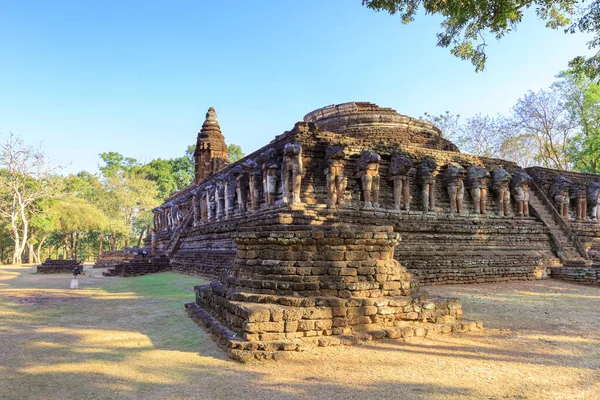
130,338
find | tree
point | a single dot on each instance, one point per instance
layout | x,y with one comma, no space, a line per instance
467,24
115,162
169,175
128,197
482,135
520,148
447,122
73,218
581,97
543,117
235,152
25,177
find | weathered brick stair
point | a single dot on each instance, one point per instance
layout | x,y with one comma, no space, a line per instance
141,266
568,247
175,241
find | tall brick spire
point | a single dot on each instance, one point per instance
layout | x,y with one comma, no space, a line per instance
211,151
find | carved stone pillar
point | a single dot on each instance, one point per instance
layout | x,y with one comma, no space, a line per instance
269,176
477,184
334,174
173,215
579,193
196,209
368,172
240,191
565,205
254,191
520,189
501,185
219,199
559,191
291,172
270,182
179,214
249,166
592,196
426,177
454,180
400,167
210,198
226,199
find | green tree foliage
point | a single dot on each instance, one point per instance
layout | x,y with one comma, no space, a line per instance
235,153
467,24
128,196
72,220
115,163
170,175
581,98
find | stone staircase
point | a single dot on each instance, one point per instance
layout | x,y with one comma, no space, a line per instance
568,247
175,241
139,266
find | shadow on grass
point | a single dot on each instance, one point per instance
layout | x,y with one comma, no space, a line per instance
130,338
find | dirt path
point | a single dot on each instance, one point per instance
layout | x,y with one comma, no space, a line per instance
129,338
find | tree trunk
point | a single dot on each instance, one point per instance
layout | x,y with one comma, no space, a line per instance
139,242
16,259
66,246
75,244
30,259
113,241
38,250
25,230
100,246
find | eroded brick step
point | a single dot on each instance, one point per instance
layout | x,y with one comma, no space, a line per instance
247,351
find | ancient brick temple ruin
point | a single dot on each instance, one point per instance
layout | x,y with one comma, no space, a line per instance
324,235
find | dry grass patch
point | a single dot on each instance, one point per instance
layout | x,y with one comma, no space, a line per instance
130,338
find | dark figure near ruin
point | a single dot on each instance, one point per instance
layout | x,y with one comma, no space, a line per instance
578,193
368,172
426,173
291,172
592,197
400,167
559,191
477,181
336,180
520,189
501,185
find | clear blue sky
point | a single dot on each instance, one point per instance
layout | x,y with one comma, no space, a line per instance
85,77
